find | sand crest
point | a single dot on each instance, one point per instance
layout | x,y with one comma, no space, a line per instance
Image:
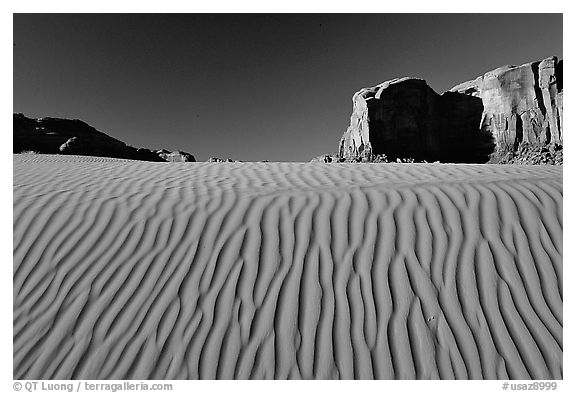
136,270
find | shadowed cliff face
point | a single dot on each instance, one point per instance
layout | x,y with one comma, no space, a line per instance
401,116
470,123
459,136
406,118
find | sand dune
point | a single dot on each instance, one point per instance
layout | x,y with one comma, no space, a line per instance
133,270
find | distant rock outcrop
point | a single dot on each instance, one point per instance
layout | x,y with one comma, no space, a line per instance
63,136
218,159
74,145
176,156
327,158
473,122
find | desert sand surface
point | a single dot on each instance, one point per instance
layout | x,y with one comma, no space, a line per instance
137,270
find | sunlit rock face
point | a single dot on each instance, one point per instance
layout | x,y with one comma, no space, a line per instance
521,103
405,118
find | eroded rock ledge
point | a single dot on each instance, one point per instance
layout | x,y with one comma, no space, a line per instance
476,121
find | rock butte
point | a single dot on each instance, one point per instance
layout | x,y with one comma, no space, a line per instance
489,115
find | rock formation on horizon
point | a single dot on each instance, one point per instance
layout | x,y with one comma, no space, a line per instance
176,156
218,159
472,122
64,136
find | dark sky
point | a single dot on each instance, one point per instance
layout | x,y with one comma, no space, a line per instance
250,87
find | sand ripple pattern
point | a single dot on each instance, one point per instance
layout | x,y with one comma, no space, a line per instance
133,270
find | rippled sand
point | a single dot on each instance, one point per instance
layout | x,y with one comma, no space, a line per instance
136,270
